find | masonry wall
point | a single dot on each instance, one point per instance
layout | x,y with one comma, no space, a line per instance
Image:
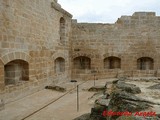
129,39
40,44
30,31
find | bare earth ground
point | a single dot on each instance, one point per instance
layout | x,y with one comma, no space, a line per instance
65,108
152,95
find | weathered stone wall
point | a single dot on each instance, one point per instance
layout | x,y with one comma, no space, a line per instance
129,39
30,31
41,44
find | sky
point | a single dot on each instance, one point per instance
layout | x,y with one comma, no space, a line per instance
107,11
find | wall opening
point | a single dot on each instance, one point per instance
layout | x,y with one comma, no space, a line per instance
59,65
82,62
112,63
62,30
145,63
16,71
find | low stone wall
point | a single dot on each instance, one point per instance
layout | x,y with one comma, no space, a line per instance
112,73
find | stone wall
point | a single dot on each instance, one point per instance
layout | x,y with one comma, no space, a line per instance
30,31
130,38
41,44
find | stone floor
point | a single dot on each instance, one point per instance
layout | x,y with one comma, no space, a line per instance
63,109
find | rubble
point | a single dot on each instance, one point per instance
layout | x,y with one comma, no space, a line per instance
55,87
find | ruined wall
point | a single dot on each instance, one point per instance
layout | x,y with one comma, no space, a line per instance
40,44
129,39
30,31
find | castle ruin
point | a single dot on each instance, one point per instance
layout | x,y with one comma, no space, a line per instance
40,44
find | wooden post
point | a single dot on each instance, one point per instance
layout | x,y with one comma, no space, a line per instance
77,98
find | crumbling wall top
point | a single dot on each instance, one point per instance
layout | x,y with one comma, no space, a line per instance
144,14
58,7
137,16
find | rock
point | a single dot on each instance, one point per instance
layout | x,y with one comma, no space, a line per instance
1,104
130,88
100,105
123,101
157,86
88,116
97,113
119,79
97,96
97,88
158,115
57,88
122,78
115,81
102,101
73,81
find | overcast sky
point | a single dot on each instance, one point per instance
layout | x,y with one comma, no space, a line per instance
107,11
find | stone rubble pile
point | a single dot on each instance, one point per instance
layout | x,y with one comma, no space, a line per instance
122,99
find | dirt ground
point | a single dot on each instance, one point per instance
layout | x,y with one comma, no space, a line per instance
152,95
66,107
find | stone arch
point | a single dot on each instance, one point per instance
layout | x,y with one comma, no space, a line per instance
15,55
89,55
62,30
149,54
60,61
59,54
16,71
112,62
59,65
82,62
112,54
145,63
